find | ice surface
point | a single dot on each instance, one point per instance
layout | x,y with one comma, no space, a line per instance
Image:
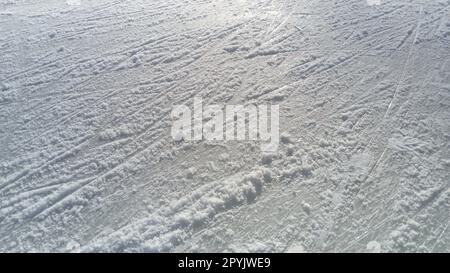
87,162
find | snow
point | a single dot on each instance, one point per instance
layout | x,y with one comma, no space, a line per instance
87,158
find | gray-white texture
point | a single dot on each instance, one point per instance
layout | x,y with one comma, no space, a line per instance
87,162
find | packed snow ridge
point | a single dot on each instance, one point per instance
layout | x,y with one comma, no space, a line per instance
88,164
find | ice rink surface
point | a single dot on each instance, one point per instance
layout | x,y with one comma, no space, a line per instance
87,162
